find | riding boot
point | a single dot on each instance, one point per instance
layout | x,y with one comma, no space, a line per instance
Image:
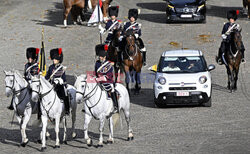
220,53
115,102
66,104
119,60
144,58
85,9
243,54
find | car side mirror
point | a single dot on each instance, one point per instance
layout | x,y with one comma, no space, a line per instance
153,68
211,67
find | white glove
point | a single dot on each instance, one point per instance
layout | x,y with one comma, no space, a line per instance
136,36
58,81
224,36
102,30
101,78
120,38
238,27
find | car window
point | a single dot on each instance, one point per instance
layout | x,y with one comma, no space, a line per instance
189,64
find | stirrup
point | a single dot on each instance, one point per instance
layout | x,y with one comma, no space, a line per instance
243,60
10,107
145,64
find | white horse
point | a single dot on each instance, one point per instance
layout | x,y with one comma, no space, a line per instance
98,105
17,86
52,107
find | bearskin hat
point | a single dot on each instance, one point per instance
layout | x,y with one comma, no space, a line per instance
113,11
32,53
101,50
56,54
133,13
232,14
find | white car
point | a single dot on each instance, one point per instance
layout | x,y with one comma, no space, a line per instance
182,77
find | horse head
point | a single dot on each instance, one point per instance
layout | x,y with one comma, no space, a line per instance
80,85
130,43
237,39
117,34
35,86
9,82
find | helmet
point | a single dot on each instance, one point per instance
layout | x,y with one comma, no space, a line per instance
32,53
133,13
56,54
101,50
232,14
113,11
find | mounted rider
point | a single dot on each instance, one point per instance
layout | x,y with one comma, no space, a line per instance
31,67
111,24
226,37
136,27
56,76
104,74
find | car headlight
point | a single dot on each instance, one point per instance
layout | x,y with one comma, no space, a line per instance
203,79
162,80
200,7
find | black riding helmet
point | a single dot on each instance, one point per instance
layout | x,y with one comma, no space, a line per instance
133,13
56,54
113,11
32,53
232,14
101,50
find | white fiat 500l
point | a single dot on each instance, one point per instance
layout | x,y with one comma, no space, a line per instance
182,77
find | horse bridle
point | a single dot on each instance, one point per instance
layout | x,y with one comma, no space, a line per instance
38,92
12,87
126,49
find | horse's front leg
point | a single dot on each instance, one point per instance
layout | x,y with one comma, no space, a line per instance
138,82
25,120
127,80
57,122
130,131
73,112
64,130
66,13
44,121
87,120
110,139
100,143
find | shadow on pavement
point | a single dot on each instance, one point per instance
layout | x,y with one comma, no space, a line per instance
158,6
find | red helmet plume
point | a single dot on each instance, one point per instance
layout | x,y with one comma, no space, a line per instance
60,51
37,51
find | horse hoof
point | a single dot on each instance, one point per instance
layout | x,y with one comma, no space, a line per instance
65,142
24,144
43,149
99,145
110,142
74,136
130,138
56,146
90,144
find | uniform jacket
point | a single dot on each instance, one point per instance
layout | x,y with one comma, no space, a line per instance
110,23
59,74
106,70
30,69
135,26
225,28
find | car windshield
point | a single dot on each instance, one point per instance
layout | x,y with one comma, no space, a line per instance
189,64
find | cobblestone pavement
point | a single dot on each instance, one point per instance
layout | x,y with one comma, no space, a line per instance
223,128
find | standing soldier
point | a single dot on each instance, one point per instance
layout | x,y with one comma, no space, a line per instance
226,37
112,24
136,27
56,76
31,67
104,74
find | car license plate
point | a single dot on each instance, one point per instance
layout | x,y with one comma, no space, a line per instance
182,93
186,16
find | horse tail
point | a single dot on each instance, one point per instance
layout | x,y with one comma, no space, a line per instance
116,119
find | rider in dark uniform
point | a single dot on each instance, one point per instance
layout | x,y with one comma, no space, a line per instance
104,74
136,27
56,76
226,37
31,67
111,24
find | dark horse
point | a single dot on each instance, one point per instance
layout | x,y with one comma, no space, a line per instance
113,51
132,61
232,59
246,4
78,6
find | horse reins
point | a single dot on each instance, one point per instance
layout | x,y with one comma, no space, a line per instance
136,50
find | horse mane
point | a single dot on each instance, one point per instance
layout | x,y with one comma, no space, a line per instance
19,77
46,82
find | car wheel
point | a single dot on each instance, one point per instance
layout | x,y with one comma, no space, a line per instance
208,103
158,104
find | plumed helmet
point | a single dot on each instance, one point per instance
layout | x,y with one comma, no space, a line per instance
101,50
56,54
113,11
133,13
32,53
232,14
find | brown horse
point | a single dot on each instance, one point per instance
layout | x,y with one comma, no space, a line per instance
78,6
232,59
113,51
132,61
246,5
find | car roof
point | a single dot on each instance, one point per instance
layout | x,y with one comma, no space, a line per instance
182,53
